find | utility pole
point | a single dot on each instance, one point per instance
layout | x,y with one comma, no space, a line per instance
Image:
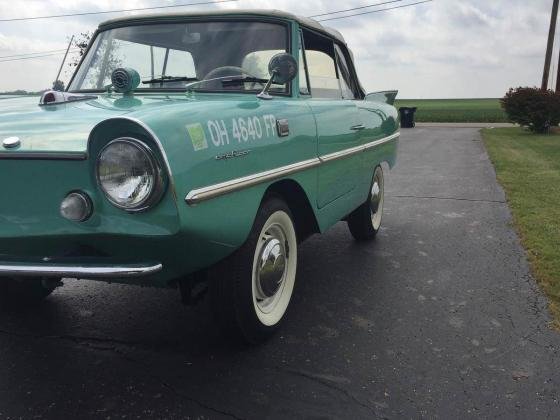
551,33
558,76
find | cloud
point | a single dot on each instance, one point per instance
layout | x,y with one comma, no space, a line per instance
446,48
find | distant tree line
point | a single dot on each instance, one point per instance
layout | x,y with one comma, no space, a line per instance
22,92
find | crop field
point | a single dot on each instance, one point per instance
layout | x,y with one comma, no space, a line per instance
456,110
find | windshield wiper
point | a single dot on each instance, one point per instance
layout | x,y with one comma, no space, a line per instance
233,80
239,80
165,79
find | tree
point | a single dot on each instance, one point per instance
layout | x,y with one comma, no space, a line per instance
110,62
81,42
536,109
58,85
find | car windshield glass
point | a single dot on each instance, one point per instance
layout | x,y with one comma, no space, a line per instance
173,56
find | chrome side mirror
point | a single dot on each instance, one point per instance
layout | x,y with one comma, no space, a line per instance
283,68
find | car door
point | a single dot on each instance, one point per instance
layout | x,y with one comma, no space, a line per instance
337,120
376,121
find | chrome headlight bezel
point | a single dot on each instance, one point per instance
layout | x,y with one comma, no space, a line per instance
159,184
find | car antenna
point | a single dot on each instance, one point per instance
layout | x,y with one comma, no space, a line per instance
63,60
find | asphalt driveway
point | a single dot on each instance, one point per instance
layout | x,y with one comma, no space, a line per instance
439,318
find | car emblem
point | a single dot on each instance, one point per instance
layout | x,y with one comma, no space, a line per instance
11,142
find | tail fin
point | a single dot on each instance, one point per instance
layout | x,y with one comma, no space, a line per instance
387,96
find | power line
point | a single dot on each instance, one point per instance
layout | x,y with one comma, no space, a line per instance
60,52
36,56
117,11
355,8
32,53
376,11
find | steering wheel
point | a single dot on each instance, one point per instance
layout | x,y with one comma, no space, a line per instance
225,71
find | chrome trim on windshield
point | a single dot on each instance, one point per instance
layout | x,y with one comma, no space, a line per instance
202,194
78,271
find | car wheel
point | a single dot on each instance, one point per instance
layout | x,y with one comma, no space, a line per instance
251,289
365,221
22,290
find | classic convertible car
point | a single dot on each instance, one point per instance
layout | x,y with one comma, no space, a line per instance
193,151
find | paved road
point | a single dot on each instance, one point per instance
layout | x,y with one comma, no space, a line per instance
439,318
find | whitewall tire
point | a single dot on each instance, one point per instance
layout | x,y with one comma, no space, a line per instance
251,290
365,221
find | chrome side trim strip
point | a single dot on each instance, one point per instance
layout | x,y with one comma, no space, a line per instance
202,194
93,271
341,154
382,141
43,155
216,190
347,152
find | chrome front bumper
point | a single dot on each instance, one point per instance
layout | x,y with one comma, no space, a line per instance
89,271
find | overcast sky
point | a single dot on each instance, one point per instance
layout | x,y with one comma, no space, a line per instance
442,49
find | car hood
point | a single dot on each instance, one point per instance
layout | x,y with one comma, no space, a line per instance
66,127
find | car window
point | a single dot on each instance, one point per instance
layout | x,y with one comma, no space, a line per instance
132,54
320,56
256,63
211,52
322,75
346,81
180,62
303,80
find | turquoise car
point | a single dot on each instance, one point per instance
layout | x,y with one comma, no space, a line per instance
193,151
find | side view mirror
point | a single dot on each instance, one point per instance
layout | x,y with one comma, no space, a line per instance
283,68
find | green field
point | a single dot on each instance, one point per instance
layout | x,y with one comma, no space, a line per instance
528,167
456,110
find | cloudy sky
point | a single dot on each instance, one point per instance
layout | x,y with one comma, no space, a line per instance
442,49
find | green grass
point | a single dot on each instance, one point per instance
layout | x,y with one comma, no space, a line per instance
456,110
528,167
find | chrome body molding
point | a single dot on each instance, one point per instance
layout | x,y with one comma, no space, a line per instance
206,193
353,150
216,190
44,155
77,271
55,97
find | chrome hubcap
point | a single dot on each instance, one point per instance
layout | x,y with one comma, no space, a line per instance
274,268
271,267
376,199
272,264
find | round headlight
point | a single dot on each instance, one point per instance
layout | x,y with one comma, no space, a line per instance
129,174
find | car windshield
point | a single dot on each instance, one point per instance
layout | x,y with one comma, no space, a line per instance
206,56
